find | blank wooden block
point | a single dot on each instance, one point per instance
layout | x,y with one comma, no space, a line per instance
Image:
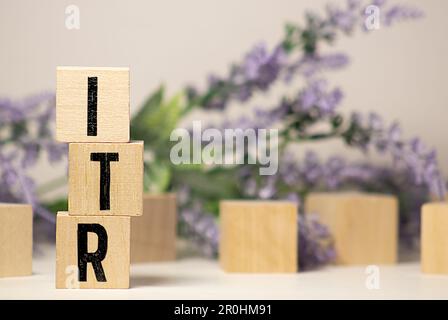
92,104
434,238
16,240
258,236
153,235
81,243
106,178
364,226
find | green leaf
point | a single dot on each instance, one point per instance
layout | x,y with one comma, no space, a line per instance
169,116
156,120
219,183
138,126
57,205
157,177
18,130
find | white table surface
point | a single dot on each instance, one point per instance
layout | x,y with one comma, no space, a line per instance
202,279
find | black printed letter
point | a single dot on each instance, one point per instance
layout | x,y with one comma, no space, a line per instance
92,93
96,257
104,159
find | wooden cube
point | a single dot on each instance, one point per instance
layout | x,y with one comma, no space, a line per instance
106,178
92,252
153,235
92,104
258,236
434,238
364,225
16,240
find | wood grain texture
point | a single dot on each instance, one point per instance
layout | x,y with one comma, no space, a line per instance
113,117
153,235
258,236
126,179
116,262
16,240
364,226
434,238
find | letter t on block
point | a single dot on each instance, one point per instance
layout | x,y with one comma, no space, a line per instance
104,159
106,178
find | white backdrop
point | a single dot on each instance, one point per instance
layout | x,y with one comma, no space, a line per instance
398,72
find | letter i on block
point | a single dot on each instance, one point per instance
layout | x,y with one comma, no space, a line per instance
92,252
92,104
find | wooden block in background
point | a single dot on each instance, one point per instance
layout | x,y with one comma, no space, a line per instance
434,238
115,264
88,193
92,104
16,240
258,236
364,226
153,235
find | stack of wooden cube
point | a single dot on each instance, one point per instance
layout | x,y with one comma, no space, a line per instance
105,178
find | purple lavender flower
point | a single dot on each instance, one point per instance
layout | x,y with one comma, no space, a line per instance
316,95
399,13
201,228
310,65
317,102
412,154
316,247
268,190
56,151
16,119
336,173
258,70
262,68
344,19
315,242
16,111
31,152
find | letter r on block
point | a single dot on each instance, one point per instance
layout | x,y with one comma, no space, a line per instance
94,258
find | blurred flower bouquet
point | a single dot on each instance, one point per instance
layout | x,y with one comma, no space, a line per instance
25,134
413,177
